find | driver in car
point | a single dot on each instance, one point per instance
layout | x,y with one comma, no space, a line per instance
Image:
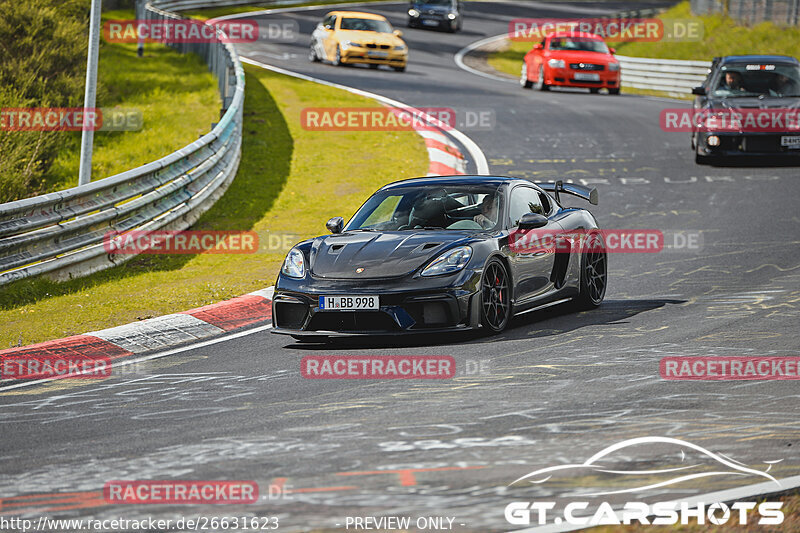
488,217
733,82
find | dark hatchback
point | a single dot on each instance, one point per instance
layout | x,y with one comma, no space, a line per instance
752,86
442,14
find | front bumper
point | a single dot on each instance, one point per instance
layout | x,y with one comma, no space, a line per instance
745,144
374,56
565,77
433,21
406,306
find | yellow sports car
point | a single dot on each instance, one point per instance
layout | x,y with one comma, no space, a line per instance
345,37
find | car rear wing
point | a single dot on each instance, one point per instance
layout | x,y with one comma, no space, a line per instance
587,193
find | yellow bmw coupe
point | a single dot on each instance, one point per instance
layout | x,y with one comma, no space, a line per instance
346,37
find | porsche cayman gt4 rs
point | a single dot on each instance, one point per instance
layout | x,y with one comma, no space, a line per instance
441,254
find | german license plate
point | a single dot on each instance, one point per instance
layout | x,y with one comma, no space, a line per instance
584,76
429,22
349,303
378,55
791,141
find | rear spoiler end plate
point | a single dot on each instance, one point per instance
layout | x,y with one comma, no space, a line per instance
587,193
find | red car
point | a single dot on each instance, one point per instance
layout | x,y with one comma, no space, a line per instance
571,59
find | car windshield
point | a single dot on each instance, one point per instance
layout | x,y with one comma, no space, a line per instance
457,207
356,24
434,2
578,44
757,79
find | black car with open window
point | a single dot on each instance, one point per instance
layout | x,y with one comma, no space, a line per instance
748,106
440,254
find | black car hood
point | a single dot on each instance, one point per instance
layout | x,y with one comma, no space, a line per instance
734,104
427,8
380,254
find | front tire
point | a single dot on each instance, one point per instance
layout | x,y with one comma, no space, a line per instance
540,84
594,90
495,297
614,91
594,273
400,69
312,54
524,82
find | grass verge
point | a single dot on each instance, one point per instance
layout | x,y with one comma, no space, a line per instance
289,180
176,94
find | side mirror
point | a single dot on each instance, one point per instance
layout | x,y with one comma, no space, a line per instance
335,225
700,91
538,46
532,221
612,50
398,33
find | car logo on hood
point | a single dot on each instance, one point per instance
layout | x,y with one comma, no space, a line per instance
359,270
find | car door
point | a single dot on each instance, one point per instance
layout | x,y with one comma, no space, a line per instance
322,37
531,261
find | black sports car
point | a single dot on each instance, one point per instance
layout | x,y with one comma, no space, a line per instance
440,253
443,14
748,106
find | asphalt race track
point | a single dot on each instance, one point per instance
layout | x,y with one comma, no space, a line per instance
554,388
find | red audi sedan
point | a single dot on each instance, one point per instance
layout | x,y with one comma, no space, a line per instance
571,59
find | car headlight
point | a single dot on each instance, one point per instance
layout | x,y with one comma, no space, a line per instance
413,13
556,63
451,16
449,262
294,265
613,67
399,48
348,44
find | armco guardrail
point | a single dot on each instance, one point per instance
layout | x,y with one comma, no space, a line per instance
673,76
61,234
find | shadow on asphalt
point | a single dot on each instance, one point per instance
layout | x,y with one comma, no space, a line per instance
553,321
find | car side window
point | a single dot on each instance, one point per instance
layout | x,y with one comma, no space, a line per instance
546,207
329,22
524,200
